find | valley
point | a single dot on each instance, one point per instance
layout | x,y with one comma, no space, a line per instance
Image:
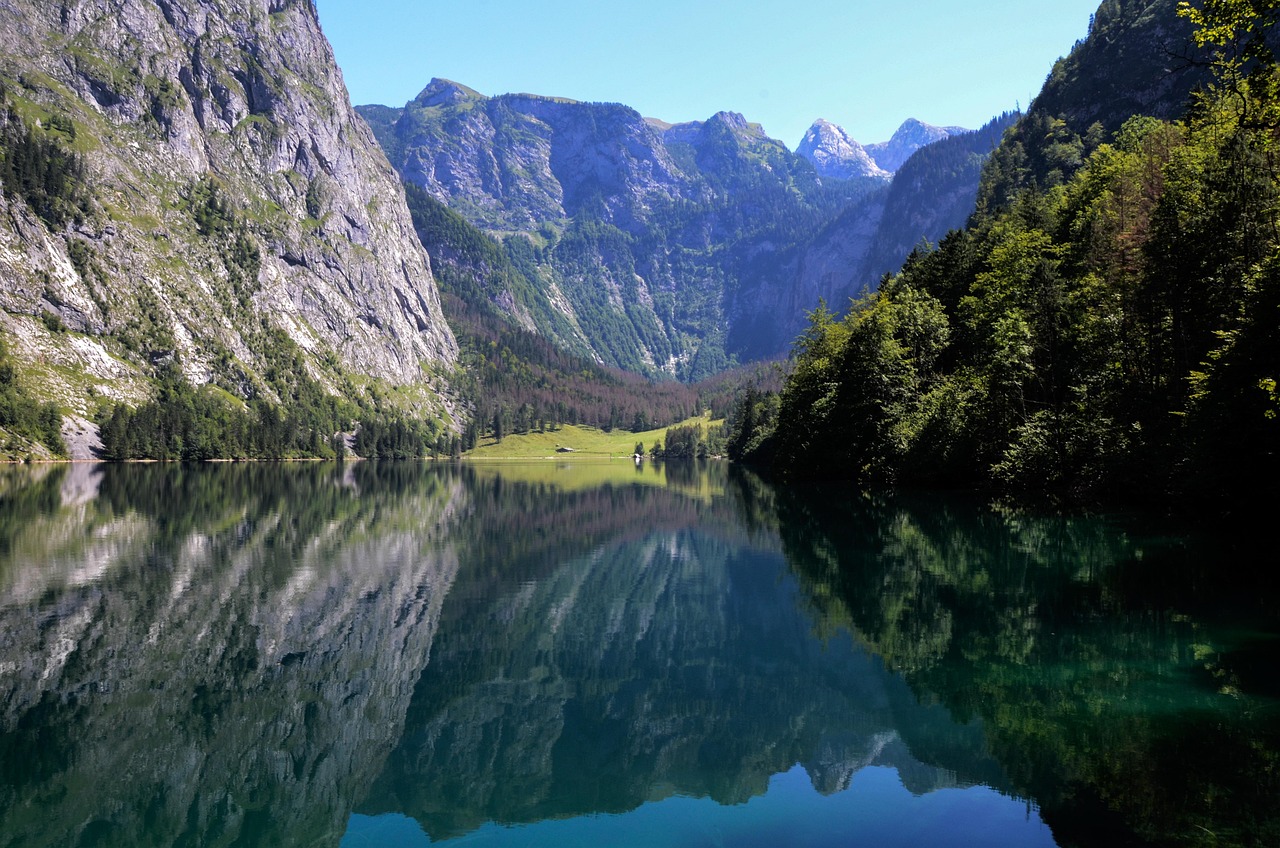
211,254
522,469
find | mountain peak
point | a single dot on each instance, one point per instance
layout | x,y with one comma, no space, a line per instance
835,155
910,137
913,129
690,132
913,125
733,120
445,92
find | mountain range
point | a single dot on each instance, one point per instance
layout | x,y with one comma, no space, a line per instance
834,154
187,190
667,249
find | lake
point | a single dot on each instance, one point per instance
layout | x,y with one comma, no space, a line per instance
598,654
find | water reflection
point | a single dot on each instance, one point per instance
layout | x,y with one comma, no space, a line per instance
200,655
254,653
673,663
1116,669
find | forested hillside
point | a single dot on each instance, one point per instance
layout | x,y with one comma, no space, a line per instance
932,192
1140,58
1111,333
517,379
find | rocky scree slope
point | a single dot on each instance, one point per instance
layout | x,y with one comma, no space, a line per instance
237,206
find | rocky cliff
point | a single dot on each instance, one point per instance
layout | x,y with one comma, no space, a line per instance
232,192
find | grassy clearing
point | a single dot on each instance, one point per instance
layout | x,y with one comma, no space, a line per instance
586,442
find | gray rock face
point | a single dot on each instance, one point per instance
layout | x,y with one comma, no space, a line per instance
910,137
835,155
173,101
520,160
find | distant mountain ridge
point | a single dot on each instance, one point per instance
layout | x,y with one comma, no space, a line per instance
910,137
667,249
834,153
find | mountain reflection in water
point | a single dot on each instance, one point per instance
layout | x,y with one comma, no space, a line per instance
287,654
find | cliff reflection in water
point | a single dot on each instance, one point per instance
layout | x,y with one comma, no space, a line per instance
669,657
253,652
196,655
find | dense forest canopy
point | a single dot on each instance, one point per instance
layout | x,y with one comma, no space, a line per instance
1116,334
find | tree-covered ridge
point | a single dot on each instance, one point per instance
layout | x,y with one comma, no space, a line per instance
934,189
201,423
1141,57
1138,59
24,421
1115,335
38,168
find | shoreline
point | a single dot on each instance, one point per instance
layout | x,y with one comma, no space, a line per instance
352,458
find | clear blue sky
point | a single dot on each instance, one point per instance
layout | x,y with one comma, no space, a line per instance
865,66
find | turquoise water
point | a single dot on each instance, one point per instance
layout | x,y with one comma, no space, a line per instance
558,655
875,809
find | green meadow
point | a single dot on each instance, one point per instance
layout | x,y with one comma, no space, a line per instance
581,442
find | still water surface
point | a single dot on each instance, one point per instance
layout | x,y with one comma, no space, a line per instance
554,654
